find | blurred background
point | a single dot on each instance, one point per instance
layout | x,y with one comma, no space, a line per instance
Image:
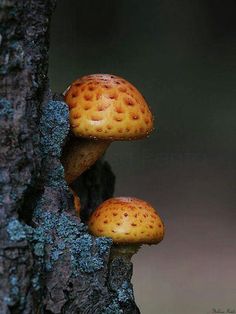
182,56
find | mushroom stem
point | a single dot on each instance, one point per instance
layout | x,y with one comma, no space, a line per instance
77,204
124,250
80,154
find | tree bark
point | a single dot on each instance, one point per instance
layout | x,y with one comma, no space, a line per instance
49,263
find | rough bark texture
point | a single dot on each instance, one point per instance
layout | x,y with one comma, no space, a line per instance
48,261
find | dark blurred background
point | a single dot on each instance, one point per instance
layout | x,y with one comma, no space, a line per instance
182,57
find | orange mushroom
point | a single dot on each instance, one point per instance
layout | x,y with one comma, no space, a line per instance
103,108
130,222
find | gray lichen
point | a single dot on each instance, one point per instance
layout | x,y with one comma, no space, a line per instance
125,293
54,127
14,293
39,249
70,237
6,134
55,176
16,230
6,110
103,244
82,258
36,282
113,308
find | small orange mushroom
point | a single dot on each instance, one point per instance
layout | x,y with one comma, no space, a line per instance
130,222
103,108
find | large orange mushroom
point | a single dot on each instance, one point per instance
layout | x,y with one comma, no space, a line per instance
103,108
130,222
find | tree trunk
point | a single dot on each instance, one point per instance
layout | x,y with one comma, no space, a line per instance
48,261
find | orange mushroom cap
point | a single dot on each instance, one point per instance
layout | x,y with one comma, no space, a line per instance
107,107
127,220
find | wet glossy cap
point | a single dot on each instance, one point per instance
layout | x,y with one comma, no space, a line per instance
127,220
104,106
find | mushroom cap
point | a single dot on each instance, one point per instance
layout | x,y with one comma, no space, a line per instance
127,220
104,106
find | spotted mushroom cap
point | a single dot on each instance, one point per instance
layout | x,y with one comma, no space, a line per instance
107,107
127,220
